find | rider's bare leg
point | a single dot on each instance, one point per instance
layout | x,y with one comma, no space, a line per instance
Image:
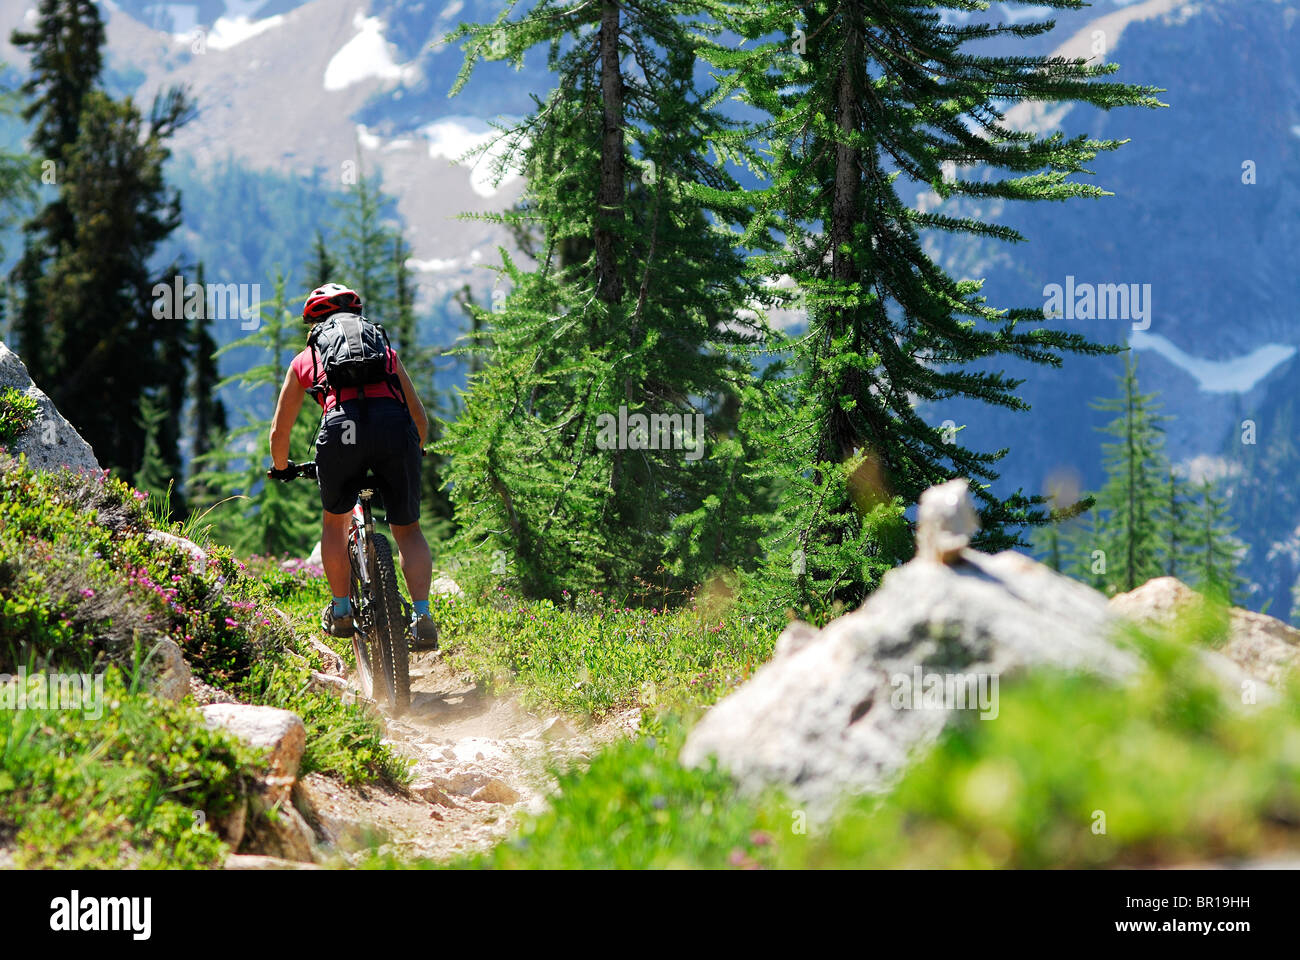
417,561
334,552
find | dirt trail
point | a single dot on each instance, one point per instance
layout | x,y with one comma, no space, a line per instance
478,762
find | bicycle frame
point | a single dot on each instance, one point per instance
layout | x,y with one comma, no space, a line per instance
359,537
377,609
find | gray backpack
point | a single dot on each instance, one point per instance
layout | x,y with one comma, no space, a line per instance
353,352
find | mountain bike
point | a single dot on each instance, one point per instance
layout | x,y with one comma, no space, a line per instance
381,618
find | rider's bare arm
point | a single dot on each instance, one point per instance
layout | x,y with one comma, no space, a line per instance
286,412
413,402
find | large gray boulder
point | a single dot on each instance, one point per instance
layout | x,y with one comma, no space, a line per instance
844,708
50,442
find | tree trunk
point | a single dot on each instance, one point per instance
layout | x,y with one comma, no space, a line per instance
845,212
610,196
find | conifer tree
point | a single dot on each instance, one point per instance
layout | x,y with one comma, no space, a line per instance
1173,526
1215,554
420,361
111,341
633,309
363,247
19,174
1130,505
158,474
1148,520
208,412
65,61
278,517
65,45
854,96
322,267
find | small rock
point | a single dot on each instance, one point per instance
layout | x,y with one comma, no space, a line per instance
276,828
329,684
495,791
188,547
476,749
553,729
430,791
167,671
945,521
279,732
444,586
251,861
205,694
333,662
231,826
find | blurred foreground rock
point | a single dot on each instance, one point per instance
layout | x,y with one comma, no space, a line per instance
842,708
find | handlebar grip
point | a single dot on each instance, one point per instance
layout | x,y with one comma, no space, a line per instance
294,471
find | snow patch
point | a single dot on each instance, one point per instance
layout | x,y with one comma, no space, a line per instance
1236,375
1206,467
433,265
453,137
365,56
229,31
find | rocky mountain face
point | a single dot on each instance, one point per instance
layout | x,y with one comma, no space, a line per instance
1205,221
1195,258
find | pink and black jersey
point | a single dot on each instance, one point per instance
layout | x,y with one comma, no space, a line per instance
302,368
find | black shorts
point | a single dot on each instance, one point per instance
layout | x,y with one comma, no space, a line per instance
378,439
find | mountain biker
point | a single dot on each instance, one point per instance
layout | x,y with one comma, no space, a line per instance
381,433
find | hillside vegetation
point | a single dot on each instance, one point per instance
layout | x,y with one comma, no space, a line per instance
84,590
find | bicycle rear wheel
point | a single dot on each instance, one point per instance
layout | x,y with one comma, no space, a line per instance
390,633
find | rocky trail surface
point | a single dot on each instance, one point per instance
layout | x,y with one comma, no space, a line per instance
478,762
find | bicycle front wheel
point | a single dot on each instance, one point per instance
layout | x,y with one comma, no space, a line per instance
390,633
370,671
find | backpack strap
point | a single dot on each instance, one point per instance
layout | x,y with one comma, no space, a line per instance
394,380
315,391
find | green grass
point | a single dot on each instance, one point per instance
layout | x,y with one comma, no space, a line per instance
591,656
82,589
139,786
17,413
588,656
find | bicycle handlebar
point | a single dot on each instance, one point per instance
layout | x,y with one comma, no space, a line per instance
295,471
300,471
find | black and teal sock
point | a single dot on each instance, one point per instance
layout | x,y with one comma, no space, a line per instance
342,606
421,607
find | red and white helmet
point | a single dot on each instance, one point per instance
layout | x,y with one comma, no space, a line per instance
331,298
